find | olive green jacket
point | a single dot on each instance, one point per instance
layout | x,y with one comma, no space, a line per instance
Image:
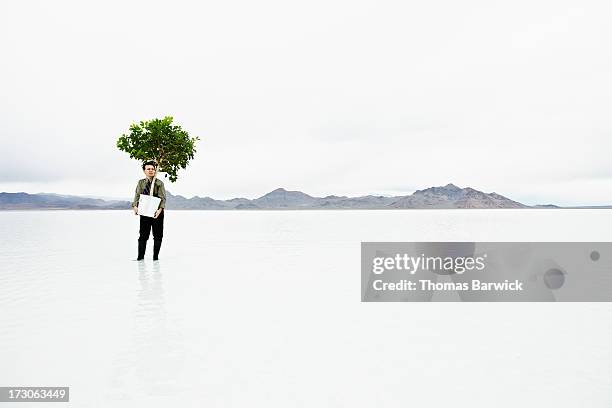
158,191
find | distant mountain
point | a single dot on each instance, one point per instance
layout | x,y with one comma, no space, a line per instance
448,196
281,198
451,196
546,206
49,201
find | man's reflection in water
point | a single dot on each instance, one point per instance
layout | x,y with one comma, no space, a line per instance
152,363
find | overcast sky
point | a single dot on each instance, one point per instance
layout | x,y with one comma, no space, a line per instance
325,97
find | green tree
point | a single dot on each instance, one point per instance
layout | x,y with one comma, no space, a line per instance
159,140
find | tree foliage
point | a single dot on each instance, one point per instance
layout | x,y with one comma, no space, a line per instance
159,140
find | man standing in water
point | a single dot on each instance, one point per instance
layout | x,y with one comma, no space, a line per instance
157,222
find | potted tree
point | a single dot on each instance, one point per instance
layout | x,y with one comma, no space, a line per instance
161,141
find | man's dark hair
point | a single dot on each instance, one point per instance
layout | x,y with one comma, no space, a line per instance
147,163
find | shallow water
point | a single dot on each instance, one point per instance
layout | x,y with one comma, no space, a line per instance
262,308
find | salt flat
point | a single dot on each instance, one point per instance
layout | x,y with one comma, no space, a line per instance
262,308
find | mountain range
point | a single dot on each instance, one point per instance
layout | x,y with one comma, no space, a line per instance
444,197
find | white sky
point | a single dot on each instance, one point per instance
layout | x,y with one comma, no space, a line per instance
325,97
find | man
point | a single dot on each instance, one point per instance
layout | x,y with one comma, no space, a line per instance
157,222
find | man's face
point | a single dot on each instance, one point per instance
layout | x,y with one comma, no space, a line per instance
149,170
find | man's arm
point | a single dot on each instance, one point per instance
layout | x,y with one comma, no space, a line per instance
162,194
136,195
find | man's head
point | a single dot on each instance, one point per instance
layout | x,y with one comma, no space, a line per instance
149,168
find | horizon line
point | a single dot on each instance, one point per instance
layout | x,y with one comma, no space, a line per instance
107,198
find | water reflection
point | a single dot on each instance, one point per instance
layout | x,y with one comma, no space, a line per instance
151,364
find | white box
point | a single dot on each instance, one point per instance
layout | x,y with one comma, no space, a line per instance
147,205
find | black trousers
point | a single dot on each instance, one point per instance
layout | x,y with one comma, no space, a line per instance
146,223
